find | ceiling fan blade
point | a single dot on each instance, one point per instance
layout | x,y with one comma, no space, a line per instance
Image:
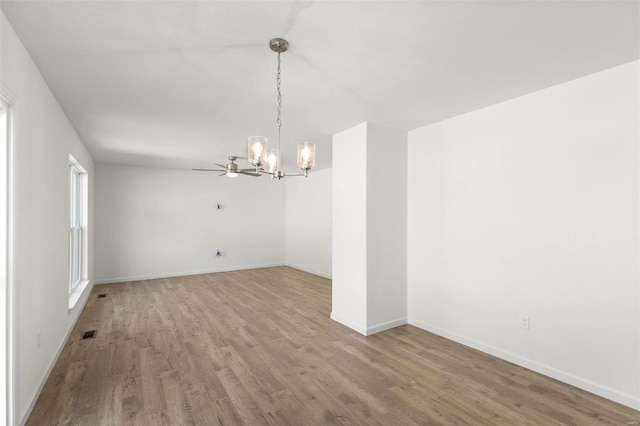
247,170
221,165
209,170
222,174
249,174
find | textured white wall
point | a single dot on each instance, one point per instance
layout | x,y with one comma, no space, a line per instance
44,138
531,207
163,222
308,223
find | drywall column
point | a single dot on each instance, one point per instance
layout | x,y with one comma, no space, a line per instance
349,239
369,228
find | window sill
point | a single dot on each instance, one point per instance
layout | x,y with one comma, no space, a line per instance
74,296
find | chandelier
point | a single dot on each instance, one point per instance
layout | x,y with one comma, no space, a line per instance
268,160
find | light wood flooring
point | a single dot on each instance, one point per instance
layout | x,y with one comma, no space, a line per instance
257,347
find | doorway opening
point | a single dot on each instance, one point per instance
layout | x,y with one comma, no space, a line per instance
6,262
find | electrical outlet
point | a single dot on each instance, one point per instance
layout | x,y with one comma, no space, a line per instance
38,339
524,322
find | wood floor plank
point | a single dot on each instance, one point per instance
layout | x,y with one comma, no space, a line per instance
257,347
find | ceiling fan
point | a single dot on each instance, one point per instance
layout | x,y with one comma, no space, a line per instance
231,169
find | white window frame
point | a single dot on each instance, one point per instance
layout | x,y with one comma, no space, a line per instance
78,204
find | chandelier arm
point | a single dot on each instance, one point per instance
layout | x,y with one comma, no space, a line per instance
264,172
286,174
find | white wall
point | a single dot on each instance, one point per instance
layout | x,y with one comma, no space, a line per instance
531,207
349,241
386,228
44,138
162,222
308,223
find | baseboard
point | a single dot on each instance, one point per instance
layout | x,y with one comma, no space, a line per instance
352,325
368,331
182,274
386,325
34,397
308,271
546,370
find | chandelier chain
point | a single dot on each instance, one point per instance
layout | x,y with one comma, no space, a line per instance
278,119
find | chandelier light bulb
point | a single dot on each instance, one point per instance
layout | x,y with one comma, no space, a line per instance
256,148
306,155
271,161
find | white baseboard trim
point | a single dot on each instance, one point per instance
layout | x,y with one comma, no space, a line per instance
352,325
309,271
368,331
546,370
386,326
182,274
82,301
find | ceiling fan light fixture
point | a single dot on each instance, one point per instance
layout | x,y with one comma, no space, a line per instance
232,174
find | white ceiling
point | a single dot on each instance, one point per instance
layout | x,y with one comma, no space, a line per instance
182,84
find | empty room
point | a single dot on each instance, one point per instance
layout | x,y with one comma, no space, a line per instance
320,212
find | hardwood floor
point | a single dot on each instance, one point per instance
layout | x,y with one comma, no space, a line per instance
257,347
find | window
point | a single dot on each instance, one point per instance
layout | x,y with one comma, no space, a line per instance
77,224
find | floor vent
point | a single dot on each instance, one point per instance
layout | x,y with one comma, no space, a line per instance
101,295
89,334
